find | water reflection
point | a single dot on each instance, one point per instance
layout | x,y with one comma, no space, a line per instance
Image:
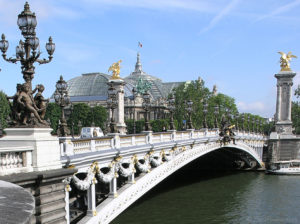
193,196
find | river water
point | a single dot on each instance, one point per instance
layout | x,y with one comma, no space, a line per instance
192,196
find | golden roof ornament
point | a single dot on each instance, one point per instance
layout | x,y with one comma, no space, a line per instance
285,61
115,69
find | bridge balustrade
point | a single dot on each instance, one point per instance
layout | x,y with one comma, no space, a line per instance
15,160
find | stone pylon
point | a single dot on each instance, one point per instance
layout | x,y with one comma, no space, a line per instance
284,102
118,84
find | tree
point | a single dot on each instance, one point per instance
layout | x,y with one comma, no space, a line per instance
87,115
200,95
4,109
53,113
296,117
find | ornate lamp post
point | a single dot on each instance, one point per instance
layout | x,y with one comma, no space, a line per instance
62,99
1,129
216,113
147,106
248,120
204,113
236,118
253,124
190,110
112,105
171,107
243,121
134,92
72,121
27,53
79,127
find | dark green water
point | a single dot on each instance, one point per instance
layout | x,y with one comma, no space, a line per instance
191,196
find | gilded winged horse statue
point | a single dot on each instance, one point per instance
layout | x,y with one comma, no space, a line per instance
285,60
115,69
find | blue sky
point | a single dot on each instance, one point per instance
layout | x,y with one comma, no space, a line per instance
230,43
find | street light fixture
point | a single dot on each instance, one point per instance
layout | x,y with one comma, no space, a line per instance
27,53
216,113
62,99
134,92
243,121
147,107
236,118
190,110
248,119
112,105
204,113
171,107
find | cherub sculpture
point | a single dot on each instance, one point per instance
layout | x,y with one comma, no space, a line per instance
115,69
40,101
285,61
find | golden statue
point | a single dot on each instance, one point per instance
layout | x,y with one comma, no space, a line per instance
285,61
115,69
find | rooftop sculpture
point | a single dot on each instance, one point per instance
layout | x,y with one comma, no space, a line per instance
143,86
285,60
115,69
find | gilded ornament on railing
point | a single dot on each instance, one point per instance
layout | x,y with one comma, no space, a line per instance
115,69
285,60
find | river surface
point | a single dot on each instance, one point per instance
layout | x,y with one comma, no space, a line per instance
192,196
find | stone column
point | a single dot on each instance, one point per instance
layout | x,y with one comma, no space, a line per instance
118,84
113,188
284,102
91,193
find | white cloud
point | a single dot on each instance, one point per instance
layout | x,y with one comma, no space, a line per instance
225,11
9,10
280,10
203,6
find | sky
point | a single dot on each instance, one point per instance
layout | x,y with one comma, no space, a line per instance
231,43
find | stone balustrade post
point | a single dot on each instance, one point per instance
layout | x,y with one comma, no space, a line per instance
93,147
66,146
173,134
131,179
191,133
91,193
148,136
113,188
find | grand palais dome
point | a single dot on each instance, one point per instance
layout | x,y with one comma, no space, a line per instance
92,87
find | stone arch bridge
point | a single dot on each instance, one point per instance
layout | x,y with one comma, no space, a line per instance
114,171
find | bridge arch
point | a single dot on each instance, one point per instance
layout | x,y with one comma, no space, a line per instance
107,211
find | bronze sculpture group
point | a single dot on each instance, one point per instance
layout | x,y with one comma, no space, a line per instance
27,109
226,132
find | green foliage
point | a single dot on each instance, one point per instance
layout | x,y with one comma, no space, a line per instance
81,112
159,125
87,115
199,94
139,126
99,116
4,109
195,91
296,117
53,113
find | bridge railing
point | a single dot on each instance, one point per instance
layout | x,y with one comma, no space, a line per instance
15,160
80,146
